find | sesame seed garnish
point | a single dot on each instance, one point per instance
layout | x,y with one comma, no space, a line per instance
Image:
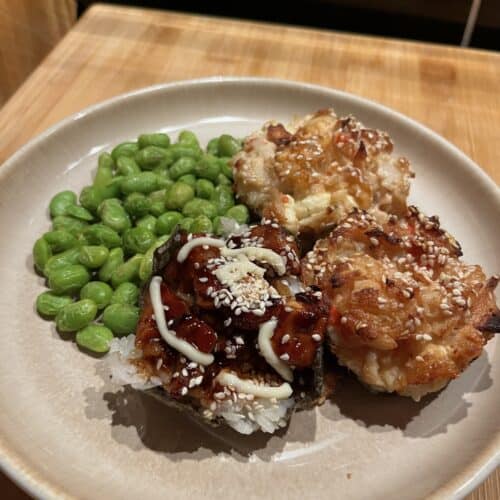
184,391
203,279
316,337
285,338
285,357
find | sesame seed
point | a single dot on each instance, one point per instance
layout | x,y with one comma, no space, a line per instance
203,279
374,241
343,320
184,391
285,357
192,365
219,395
285,338
184,372
316,337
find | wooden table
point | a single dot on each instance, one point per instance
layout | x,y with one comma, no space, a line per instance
113,50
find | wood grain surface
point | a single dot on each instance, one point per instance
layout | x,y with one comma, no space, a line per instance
112,50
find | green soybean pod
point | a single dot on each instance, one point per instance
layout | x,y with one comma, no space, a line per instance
126,165
60,240
207,168
225,167
60,201
126,293
124,149
121,319
137,240
189,179
70,224
99,234
98,292
48,304
113,215
114,260
90,198
228,145
79,213
76,316
199,206
128,271
147,222
222,180
204,188
104,173
213,146
145,182
239,213
137,205
223,199
166,222
155,139
151,157
201,224
182,166
95,338
93,256
41,254
178,195
61,260
185,224
69,279
188,138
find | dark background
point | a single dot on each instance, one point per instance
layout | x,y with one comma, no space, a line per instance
441,21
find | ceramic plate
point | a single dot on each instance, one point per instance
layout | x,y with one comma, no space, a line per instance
64,431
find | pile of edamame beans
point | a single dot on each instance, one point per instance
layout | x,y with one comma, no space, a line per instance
101,245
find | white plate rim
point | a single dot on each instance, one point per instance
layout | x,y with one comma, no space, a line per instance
473,475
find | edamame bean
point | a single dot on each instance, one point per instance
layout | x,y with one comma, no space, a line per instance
121,319
207,167
48,304
217,225
182,166
223,199
181,150
69,279
166,222
163,182
98,292
188,138
151,157
199,206
146,267
201,224
124,149
76,316
104,172
60,240
204,188
222,180
126,165
239,213
80,213
228,145
70,224
188,179
93,256
61,260
157,139
213,146
157,202
90,198
147,222
114,260
41,254
137,204
128,271
145,182
185,224
114,215
113,188
99,234
96,338
60,201
178,195
225,167
126,293
137,240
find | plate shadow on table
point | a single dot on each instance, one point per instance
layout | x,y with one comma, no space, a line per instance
432,415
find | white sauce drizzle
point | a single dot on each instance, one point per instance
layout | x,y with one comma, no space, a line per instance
266,331
265,255
178,344
283,391
205,240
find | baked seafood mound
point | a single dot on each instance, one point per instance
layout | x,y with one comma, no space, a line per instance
228,332
407,315
313,173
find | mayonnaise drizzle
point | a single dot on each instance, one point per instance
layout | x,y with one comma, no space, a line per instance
266,331
195,242
282,391
265,255
169,336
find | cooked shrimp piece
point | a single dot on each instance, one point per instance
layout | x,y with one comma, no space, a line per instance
313,173
406,314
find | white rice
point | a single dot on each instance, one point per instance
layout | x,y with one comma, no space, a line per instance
242,412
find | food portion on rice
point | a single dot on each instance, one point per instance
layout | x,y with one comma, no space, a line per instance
407,315
311,174
228,331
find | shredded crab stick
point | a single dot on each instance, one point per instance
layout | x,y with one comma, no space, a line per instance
282,391
266,331
169,336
